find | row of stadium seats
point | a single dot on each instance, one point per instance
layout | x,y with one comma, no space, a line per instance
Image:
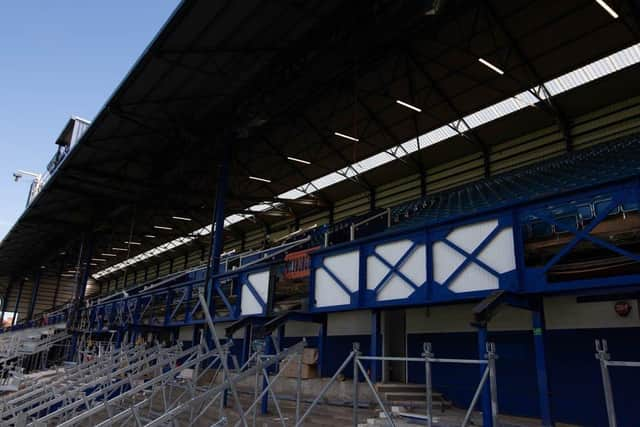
603,163
574,216
340,231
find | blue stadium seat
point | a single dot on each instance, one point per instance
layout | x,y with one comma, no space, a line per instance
593,166
601,204
585,210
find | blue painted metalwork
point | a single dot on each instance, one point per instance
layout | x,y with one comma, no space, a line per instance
218,213
15,310
376,345
322,347
34,294
177,301
544,396
5,300
608,200
268,349
487,421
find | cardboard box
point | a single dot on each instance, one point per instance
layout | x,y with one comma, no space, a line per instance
308,371
310,356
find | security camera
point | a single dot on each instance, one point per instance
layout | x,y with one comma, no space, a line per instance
17,176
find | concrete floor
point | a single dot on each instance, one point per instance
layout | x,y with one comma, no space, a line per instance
340,415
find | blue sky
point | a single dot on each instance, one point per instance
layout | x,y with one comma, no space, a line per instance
57,59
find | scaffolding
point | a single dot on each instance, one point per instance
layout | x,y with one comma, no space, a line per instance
604,357
152,385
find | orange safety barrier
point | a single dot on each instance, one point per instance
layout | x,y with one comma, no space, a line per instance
297,264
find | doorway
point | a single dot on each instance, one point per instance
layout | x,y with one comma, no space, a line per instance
394,345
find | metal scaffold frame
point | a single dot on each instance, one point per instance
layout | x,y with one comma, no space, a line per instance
488,375
604,357
151,386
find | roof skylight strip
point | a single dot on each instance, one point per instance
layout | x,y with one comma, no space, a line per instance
597,69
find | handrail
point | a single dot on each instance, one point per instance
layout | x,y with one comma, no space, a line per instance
354,226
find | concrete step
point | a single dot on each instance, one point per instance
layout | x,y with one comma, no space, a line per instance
419,405
393,387
409,396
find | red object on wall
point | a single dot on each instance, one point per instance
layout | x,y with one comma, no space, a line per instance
297,263
622,308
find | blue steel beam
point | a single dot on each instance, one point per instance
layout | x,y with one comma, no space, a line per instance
34,294
86,252
322,347
15,310
544,397
217,228
5,300
487,420
376,346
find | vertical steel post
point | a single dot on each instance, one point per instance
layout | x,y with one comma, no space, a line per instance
487,420
427,354
54,303
218,215
246,345
217,230
602,354
268,349
86,251
544,400
493,382
322,347
356,353
15,310
256,385
85,266
375,345
298,386
5,301
34,293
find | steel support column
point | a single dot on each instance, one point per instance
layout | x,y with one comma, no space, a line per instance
376,345
322,347
54,303
487,420
246,345
217,225
34,294
15,310
86,252
5,301
268,350
544,400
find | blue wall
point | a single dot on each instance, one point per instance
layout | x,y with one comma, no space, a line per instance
574,374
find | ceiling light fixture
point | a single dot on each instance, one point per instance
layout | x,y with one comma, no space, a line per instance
161,227
490,65
108,254
295,159
181,218
412,107
98,259
120,249
132,243
257,178
350,138
608,8
149,236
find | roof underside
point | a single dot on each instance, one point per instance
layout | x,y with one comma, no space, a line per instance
277,79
